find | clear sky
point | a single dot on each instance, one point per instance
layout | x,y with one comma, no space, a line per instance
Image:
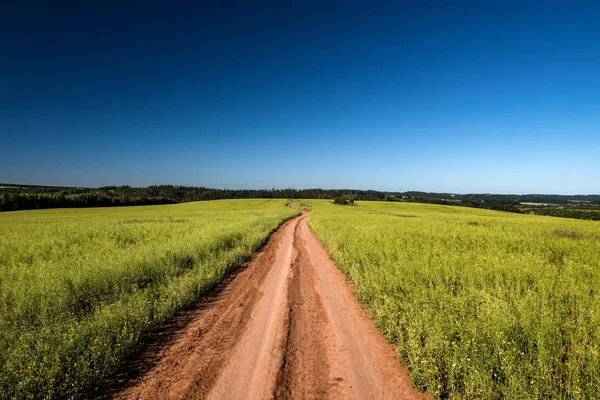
461,96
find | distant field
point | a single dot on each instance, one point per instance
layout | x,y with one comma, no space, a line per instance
80,286
482,304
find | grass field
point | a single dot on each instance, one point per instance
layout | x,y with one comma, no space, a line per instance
482,304
80,286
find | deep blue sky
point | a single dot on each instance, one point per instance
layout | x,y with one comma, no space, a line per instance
481,96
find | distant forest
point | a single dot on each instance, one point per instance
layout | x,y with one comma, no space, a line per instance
26,197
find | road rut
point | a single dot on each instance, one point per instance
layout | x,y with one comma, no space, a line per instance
288,327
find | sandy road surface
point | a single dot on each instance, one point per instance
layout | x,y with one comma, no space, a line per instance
287,326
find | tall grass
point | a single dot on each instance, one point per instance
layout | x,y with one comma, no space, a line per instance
482,304
80,287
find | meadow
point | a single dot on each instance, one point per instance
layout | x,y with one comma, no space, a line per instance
482,304
80,287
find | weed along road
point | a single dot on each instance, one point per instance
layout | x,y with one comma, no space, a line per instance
286,326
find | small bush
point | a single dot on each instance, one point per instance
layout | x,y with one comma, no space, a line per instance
344,200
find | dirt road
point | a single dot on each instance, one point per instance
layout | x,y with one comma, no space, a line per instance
287,326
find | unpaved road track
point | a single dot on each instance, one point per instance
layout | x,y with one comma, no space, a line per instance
287,326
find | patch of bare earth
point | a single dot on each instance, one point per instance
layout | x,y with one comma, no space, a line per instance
305,371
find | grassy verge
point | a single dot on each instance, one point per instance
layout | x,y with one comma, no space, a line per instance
482,304
80,287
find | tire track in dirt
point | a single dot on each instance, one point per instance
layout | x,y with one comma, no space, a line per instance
252,369
305,370
362,364
287,327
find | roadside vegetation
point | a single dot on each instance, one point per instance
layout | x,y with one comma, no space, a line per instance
80,287
482,304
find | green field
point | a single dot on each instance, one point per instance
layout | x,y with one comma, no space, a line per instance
80,286
482,304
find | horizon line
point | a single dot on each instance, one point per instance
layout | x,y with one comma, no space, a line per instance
311,188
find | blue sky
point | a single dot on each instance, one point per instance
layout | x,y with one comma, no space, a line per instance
481,96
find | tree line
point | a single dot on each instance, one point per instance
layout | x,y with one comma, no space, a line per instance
576,213
29,201
13,197
22,197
